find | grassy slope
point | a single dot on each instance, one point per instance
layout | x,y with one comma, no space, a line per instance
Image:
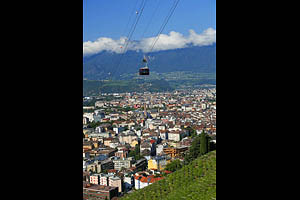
195,181
95,87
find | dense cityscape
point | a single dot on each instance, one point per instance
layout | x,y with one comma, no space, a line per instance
133,140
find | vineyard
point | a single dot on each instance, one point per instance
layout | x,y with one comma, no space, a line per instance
194,181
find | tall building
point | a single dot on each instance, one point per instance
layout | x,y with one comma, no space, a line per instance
115,181
120,163
95,179
104,179
145,111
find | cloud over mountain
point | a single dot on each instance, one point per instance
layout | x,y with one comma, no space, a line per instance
173,40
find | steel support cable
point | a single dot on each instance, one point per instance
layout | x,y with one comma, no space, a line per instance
151,18
150,21
124,31
161,27
109,74
165,23
132,12
127,40
130,35
134,8
134,25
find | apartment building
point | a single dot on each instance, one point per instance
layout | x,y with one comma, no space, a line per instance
99,192
115,181
120,163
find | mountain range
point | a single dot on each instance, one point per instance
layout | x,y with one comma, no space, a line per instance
192,59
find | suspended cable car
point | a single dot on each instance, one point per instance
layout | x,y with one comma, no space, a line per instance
144,70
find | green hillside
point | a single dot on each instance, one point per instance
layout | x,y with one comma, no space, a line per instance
119,86
155,82
194,181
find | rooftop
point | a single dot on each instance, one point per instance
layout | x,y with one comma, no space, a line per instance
101,188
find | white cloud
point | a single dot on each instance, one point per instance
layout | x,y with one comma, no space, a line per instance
173,40
102,44
208,37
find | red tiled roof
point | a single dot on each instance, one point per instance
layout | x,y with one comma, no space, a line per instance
152,180
152,141
144,179
136,177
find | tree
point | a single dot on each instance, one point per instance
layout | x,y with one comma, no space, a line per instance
126,128
122,168
137,149
173,166
194,150
94,124
192,132
131,154
204,143
136,153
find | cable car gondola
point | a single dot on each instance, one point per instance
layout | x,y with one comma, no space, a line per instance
144,70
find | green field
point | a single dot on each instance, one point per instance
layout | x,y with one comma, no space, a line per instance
91,88
156,82
196,180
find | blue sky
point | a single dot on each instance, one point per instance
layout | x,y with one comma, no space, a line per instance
108,18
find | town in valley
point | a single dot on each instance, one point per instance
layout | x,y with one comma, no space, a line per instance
130,140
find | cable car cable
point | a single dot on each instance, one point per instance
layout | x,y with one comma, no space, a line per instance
145,70
145,30
134,8
124,31
132,29
130,35
151,18
165,23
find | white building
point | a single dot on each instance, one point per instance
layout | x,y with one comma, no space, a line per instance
115,181
104,179
122,163
174,136
85,120
95,179
86,155
90,116
159,148
139,183
99,104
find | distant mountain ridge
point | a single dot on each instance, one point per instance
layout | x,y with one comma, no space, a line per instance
195,59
